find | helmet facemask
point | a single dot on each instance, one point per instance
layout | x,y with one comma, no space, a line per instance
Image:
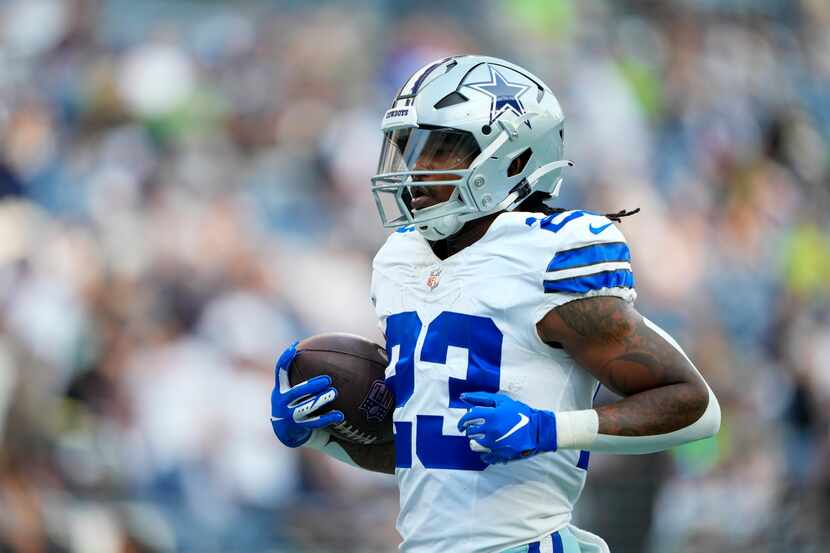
419,165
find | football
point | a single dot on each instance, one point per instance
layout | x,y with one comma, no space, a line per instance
356,367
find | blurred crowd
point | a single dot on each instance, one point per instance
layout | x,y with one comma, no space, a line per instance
184,190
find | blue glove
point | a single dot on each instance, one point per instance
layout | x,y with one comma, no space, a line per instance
291,407
503,429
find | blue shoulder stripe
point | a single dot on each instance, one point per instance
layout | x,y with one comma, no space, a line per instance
621,278
590,255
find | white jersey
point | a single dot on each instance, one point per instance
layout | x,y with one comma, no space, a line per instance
468,323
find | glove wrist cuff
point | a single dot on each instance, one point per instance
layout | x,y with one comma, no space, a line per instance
292,437
547,431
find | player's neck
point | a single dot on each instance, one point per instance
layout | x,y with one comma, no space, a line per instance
470,233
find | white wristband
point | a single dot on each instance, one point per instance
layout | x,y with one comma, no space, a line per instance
576,429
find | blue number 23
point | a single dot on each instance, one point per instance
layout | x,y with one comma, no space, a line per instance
482,340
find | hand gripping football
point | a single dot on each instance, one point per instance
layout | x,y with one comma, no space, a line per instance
356,367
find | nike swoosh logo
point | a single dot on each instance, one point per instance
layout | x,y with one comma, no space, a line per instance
597,230
523,420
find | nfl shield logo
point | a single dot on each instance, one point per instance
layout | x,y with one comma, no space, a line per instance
433,278
378,401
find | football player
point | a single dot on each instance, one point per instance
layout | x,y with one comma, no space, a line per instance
502,318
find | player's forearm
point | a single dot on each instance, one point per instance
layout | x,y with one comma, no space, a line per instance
377,458
625,427
666,401
657,411
646,421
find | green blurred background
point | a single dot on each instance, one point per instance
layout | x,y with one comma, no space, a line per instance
184,191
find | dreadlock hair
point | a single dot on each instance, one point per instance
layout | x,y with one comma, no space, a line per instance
536,203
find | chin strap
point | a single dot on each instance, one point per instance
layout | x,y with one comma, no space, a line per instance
441,228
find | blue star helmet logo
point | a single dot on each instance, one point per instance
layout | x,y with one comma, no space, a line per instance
504,95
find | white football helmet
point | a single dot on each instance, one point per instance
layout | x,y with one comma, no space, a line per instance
461,122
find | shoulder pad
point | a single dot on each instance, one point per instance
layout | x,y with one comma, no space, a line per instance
589,253
399,248
577,225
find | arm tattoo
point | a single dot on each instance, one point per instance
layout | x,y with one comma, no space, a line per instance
377,458
596,317
663,391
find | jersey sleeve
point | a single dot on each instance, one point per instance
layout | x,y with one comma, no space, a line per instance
587,256
388,269
377,287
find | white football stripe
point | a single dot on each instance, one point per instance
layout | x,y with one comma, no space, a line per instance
587,270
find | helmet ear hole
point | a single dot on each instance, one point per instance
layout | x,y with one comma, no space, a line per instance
519,163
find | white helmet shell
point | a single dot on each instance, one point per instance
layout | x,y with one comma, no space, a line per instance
505,109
